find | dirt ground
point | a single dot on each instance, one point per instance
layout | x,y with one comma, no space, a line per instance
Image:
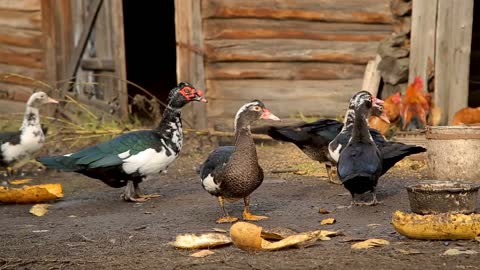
91,228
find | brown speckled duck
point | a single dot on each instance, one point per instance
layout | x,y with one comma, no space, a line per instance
233,172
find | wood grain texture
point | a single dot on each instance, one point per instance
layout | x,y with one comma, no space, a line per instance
328,98
190,65
8,72
21,56
283,70
290,50
453,46
422,49
20,19
21,37
362,11
293,29
22,5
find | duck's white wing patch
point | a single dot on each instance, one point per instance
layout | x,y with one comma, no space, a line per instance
148,161
335,154
31,140
124,154
209,184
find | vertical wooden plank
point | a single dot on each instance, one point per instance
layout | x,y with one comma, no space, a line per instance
372,77
453,46
422,48
190,66
49,37
118,43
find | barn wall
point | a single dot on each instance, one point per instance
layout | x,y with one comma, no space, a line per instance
21,48
297,56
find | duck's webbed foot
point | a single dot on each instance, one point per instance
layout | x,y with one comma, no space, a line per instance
133,193
247,215
332,178
373,202
226,217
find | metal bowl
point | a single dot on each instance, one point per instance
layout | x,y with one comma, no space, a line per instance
433,197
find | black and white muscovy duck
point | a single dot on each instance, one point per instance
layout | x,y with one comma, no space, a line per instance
314,139
16,147
233,172
129,158
360,162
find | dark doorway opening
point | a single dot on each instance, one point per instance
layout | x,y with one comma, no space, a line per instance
150,49
474,81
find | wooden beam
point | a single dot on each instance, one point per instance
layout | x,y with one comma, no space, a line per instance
26,57
97,64
283,70
21,37
290,50
284,97
371,79
22,5
359,11
74,63
422,49
49,40
293,29
190,67
453,46
118,44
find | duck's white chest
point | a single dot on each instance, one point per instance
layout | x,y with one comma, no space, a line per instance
148,161
31,140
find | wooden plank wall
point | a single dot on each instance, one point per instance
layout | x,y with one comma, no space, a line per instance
297,56
21,48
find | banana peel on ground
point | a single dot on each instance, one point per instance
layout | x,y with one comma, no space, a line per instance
31,194
248,236
443,226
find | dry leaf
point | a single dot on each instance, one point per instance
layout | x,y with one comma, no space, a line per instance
206,240
21,181
454,251
39,209
202,253
323,211
300,172
327,221
370,243
31,194
219,230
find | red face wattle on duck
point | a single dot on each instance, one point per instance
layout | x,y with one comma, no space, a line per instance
377,106
268,115
192,94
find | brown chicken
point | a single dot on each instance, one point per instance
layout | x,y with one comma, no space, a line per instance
467,116
391,108
414,106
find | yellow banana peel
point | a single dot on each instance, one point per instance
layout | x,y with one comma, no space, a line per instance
443,226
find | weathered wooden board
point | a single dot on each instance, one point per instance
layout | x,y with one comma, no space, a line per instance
190,65
23,5
422,49
283,70
21,56
290,50
453,41
362,11
15,92
22,38
20,19
294,29
28,76
283,97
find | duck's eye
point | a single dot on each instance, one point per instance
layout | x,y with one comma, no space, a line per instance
256,108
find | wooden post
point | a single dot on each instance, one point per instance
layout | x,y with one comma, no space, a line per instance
371,79
422,49
453,46
190,67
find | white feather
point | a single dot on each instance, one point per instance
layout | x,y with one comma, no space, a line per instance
335,154
148,161
124,154
209,184
243,108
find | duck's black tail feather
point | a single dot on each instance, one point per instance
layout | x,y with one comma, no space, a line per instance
394,152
